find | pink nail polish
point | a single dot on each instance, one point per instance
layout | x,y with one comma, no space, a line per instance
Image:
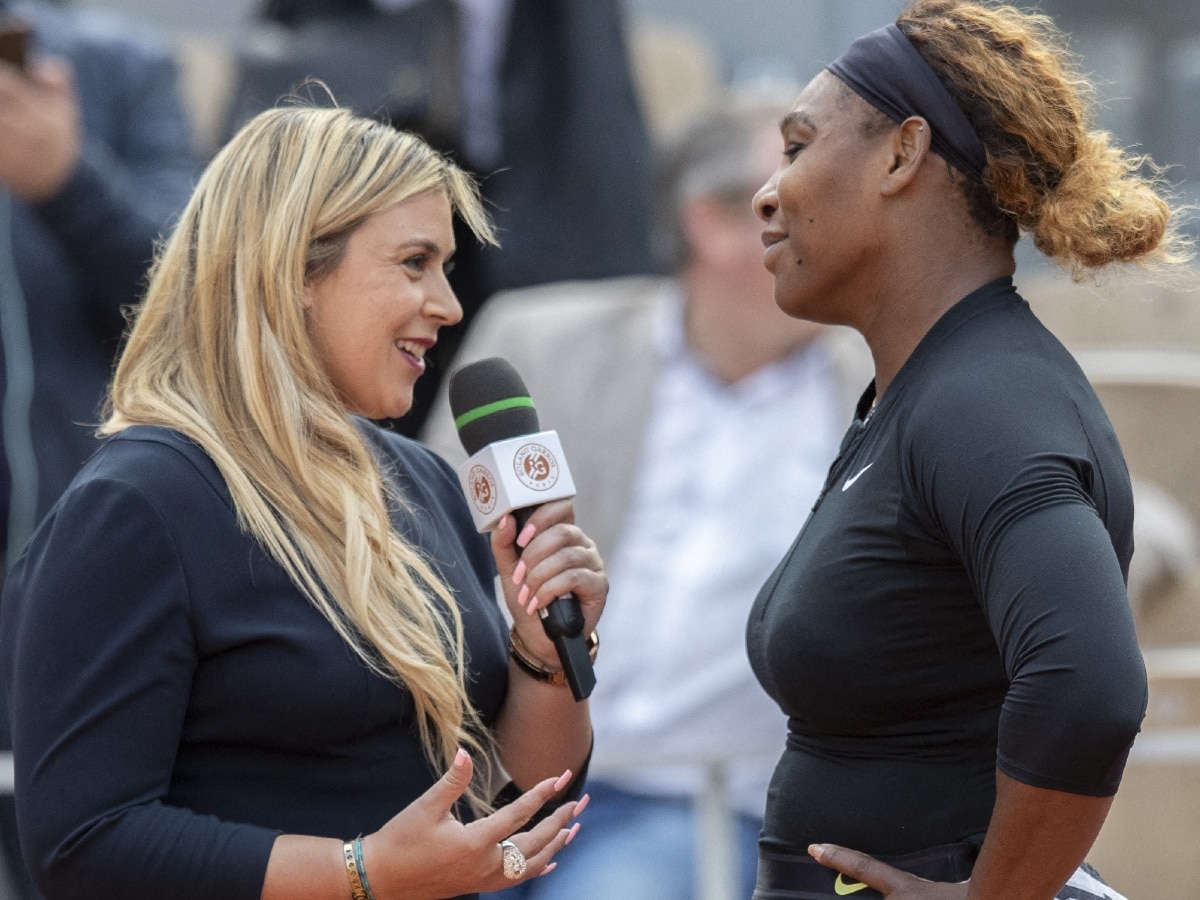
526,534
550,868
571,834
518,574
523,596
563,780
532,607
581,805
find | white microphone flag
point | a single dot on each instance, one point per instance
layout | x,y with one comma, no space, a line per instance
526,470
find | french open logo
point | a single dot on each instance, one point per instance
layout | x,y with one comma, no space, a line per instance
483,489
536,467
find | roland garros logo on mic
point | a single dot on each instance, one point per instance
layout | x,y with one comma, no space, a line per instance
483,489
536,467
514,473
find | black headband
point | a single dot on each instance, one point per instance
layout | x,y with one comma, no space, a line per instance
887,71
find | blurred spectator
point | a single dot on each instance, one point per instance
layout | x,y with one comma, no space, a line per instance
545,109
691,411
95,162
1164,574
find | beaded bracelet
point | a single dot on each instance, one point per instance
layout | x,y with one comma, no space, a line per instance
362,870
360,889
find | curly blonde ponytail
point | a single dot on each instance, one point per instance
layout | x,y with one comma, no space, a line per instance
1085,202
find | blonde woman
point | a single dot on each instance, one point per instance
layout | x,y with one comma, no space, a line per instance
254,650
949,634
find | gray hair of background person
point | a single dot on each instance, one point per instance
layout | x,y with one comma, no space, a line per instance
709,156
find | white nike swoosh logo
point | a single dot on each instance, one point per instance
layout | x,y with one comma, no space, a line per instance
850,481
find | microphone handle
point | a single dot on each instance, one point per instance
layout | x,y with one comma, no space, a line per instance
562,620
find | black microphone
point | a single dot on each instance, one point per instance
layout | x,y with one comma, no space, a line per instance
490,404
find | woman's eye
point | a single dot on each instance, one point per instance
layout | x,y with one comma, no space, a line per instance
417,263
792,150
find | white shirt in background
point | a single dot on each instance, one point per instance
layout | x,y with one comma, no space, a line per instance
727,476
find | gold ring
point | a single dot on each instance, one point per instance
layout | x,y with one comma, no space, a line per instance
514,860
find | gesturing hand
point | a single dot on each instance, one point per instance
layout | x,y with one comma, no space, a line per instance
424,853
893,883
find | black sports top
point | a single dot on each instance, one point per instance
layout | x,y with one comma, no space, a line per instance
955,602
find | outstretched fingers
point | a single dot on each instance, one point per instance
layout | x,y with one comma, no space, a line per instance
544,833
510,819
542,861
539,845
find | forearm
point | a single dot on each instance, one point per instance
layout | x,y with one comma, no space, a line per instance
306,868
1036,840
542,730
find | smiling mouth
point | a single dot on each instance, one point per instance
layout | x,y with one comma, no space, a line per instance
414,351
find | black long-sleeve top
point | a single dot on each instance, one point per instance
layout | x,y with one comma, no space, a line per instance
956,601
177,702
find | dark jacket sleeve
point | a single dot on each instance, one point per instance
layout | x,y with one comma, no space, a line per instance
572,193
1037,513
137,167
97,640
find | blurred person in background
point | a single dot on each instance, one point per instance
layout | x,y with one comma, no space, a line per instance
537,96
699,421
950,634
95,162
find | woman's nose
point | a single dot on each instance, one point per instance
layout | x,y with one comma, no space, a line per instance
766,201
443,303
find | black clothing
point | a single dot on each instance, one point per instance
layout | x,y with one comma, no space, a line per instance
168,680
955,602
570,191
792,875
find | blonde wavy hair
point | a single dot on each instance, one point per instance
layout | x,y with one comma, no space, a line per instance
1049,172
220,351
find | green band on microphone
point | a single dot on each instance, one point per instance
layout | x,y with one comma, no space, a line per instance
488,408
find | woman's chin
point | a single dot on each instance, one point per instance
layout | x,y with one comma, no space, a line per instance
800,301
792,303
398,411
376,412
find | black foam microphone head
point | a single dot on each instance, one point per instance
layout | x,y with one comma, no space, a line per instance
490,403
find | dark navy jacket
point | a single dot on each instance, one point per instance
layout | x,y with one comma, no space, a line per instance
177,702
